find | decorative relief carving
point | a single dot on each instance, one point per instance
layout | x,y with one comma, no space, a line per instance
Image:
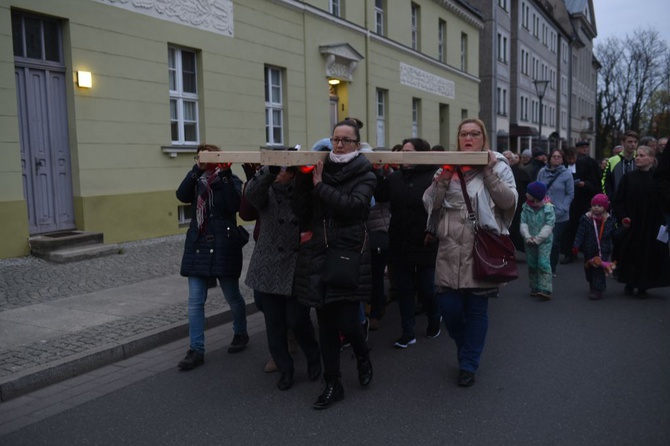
341,61
423,80
211,15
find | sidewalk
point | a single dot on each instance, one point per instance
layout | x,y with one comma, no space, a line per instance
60,320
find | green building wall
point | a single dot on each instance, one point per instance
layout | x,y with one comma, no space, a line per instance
123,176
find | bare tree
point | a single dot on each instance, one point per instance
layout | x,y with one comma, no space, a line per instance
633,71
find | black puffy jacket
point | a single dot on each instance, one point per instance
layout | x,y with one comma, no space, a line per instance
217,252
341,201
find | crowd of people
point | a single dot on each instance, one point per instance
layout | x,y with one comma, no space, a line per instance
615,213
329,235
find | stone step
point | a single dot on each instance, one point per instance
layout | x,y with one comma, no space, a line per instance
78,253
41,245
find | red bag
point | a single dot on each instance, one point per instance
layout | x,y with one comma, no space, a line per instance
493,255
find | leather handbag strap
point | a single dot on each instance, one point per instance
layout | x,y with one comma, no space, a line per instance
365,237
464,187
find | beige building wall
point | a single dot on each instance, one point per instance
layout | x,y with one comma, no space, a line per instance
124,169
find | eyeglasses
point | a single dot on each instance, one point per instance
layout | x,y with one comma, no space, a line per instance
474,134
344,141
556,156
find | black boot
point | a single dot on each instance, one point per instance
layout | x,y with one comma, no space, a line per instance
332,393
364,369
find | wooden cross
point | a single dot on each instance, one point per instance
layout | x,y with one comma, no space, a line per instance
298,158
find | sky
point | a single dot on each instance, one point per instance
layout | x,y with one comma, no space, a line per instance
616,18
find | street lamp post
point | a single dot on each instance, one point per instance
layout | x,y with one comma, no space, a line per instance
540,89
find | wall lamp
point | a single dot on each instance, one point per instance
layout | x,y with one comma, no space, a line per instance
84,79
333,81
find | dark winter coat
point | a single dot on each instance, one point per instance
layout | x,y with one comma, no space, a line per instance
586,239
272,265
643,261
404,189
341,203
217,252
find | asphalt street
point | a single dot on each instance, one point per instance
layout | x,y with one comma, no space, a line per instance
565,372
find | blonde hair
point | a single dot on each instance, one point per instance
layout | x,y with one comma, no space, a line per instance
650,152
481,126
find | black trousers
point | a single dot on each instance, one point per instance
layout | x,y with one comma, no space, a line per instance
281,313
335,319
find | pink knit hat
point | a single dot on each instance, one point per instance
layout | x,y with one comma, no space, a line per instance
601,200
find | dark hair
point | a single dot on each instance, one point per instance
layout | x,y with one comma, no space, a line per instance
569,151
420,145
350,123
397,148
629,134
358,122
437,148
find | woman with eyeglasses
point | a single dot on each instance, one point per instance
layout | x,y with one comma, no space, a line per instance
561,191
333,204
212,250
462,299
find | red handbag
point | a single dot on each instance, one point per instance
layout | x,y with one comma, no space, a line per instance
493,255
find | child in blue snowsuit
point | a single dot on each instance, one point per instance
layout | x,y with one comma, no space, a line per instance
537,224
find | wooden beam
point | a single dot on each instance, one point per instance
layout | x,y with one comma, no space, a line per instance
296,158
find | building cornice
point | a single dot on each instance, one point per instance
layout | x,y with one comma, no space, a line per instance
463,10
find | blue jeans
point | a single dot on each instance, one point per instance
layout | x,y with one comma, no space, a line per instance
466,317
197,296
411,279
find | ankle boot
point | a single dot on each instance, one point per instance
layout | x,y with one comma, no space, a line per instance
332,393
364,369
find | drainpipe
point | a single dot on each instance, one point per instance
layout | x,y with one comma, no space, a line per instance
494,79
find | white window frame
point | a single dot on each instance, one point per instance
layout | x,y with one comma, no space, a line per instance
379,17
181,101
274,105
335,7
501,101
464,52
416,116
502,48
442,40
415,26
381,117
503,5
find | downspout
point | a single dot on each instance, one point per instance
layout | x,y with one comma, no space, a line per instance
367,79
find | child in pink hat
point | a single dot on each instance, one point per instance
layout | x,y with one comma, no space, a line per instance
594,239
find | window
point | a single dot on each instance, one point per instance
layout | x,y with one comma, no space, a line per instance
525,12
464,52
415,27
36,38
552,78
442,40
523,109
416,116
502,48
524,61
564,50
381,118
533,110
503,5
335,7
183,96
379,17
184,215
564,119
501,101
564,85
274,108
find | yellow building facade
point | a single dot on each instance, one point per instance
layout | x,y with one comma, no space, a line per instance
107,156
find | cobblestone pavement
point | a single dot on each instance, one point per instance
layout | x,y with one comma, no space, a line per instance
29,281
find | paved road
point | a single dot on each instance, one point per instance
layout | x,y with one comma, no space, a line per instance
570,371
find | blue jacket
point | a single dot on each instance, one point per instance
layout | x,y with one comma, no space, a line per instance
560,188
216,252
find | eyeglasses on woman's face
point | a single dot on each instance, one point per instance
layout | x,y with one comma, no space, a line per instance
473,134
344,141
